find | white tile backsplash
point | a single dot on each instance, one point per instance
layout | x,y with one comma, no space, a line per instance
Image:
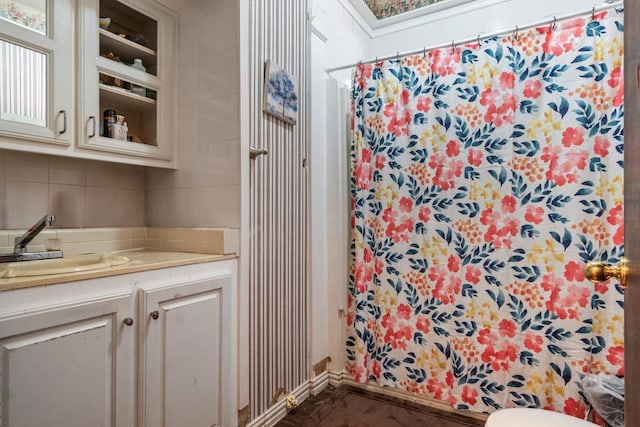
130,178
130,207
90,240
99,205
67,203
26,167
100,174
80,193
25,202
67,171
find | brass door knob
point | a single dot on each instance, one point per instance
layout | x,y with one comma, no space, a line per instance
598,271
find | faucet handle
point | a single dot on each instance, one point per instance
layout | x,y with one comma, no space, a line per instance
22,241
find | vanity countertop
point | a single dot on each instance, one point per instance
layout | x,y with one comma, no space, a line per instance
140,260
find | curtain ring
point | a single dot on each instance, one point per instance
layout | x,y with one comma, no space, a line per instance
424,52
453,47
554,24
515,34
397,56
478,40
593,13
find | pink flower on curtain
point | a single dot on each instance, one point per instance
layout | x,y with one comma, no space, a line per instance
564,165
424,214
573,136
507,328
447,286
601,146
500,359
469,395
423,324
424,104
363,169
475,157
616,81
444,61
500,228
534,214
533,342
473,274
446,170
615,356
573,271
364,73
454,264
532,88
576,408
562,41
616,218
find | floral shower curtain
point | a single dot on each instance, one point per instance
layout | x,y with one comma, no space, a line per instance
483,178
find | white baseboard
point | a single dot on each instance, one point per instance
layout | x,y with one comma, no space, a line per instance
278,411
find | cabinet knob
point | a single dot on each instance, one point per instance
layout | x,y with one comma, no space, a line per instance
155,314
128,321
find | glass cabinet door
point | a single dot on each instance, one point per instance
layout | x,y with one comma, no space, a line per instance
36,70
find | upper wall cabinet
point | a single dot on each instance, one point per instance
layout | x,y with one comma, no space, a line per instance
93,79
36,71
126,78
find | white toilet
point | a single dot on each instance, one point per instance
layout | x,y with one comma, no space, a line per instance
526,417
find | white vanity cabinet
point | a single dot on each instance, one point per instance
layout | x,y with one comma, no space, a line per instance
182,325
154,348
68,363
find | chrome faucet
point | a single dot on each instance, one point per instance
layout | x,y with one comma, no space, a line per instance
22,241
20,249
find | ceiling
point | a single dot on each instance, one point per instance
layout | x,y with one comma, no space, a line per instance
387,8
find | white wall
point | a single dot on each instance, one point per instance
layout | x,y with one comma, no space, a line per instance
205,190
481,17
337,38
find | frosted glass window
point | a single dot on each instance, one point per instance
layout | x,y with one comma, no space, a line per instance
23,85
30,14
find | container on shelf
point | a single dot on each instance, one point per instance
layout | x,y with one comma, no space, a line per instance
109,121
138,90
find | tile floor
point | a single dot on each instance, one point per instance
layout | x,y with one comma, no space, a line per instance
352,407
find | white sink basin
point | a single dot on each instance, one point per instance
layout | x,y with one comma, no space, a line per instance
68,264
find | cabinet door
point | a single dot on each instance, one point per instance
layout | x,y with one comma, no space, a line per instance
36,72
182,353
113,35
68,366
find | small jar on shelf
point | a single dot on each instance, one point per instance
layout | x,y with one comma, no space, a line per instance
138,90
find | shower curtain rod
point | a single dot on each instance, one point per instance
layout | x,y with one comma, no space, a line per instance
594,10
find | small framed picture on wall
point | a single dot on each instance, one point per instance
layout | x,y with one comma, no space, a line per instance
280,93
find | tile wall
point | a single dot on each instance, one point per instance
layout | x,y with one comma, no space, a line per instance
80,193
205,190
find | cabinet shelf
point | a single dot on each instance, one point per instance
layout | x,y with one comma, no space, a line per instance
126,48
125,100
